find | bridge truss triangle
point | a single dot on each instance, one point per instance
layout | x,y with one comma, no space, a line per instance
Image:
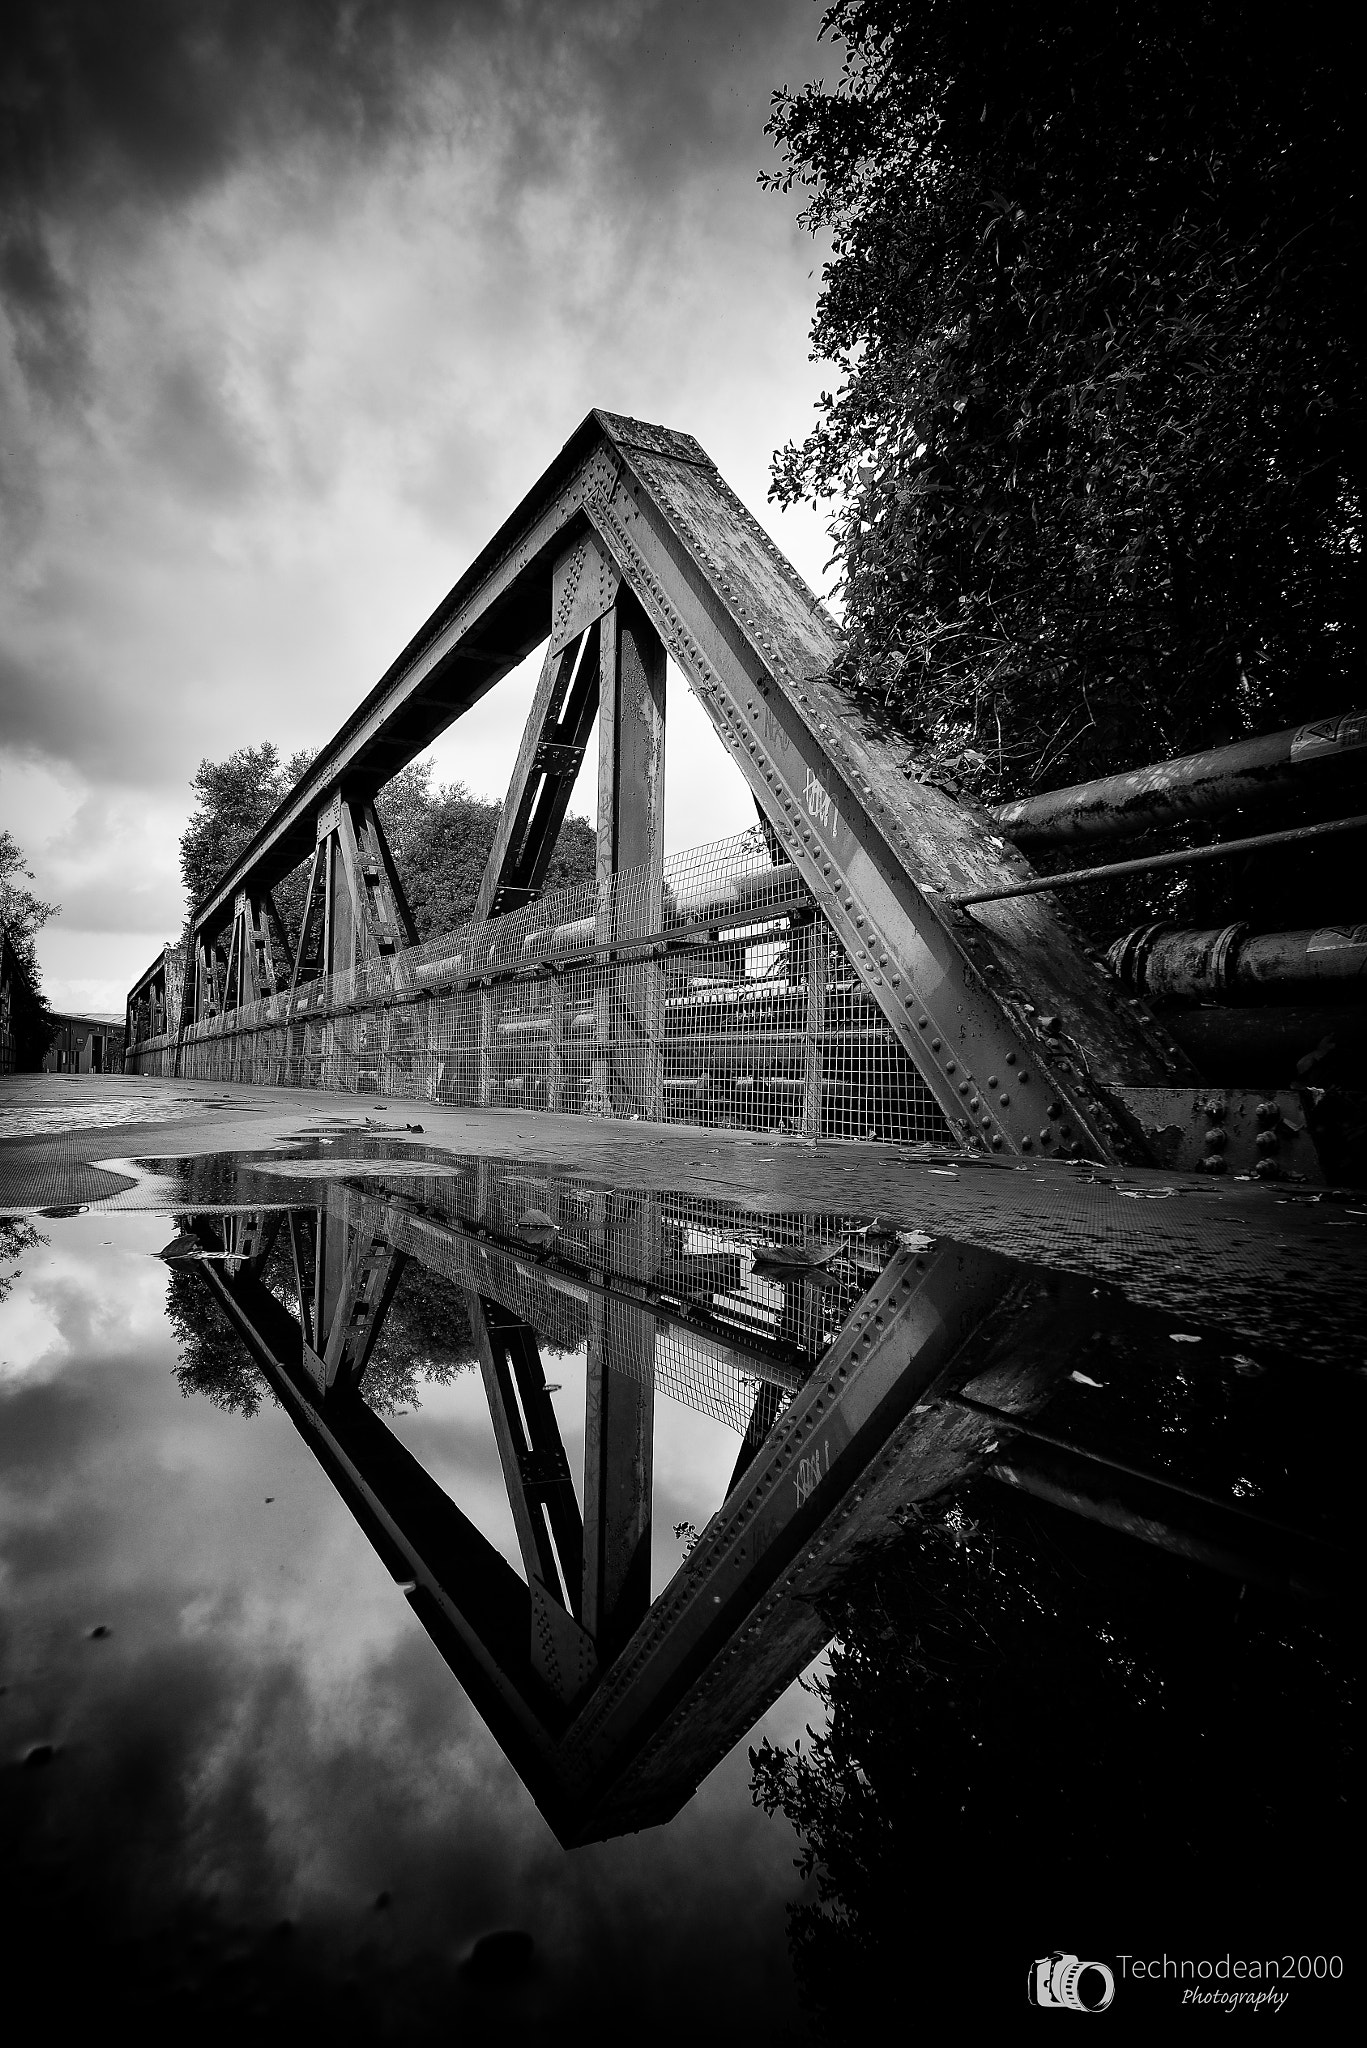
631,549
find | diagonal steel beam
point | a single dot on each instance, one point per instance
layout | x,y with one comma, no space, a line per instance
880,852
549,758
536,1472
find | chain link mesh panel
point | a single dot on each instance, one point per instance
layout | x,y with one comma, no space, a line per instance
722,999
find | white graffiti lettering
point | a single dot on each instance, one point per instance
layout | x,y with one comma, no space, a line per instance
820,806
807,1476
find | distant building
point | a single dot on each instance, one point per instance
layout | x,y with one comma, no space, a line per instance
85,1045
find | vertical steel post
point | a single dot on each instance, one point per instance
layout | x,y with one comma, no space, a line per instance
619,1423
486,1047
629,1008
555,1043
818,954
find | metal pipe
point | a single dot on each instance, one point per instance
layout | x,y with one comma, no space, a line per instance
1159,960
761,887
1200,785
1185,856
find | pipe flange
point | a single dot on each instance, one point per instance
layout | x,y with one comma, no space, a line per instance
1223,957
1128,957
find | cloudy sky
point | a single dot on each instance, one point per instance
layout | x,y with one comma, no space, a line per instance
299,297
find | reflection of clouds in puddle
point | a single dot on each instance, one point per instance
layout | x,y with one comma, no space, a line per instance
30,1338
82,1295
694,1457
267,1724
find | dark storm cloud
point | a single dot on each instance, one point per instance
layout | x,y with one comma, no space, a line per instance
153,97
112,112
48,344
296,298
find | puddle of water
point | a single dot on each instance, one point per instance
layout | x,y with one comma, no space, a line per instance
418,1551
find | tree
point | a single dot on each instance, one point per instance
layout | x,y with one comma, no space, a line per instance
1095,452
233,800
22,914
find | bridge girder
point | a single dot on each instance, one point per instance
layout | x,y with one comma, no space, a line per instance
1020,1035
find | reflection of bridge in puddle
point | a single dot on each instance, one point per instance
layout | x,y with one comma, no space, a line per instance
863,1373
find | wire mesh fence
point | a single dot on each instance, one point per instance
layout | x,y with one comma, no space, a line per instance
716,994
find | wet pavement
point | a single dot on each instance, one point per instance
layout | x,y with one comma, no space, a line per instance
424,1528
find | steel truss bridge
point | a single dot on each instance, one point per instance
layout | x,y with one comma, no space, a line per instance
875,960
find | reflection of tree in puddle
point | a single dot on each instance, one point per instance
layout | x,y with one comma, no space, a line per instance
212,1360
425,1337
16,1238
1021,1706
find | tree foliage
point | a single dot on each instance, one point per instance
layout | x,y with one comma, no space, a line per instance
425,1339
22,917
212,1359
22,914
1095,449
233,800
17,1239
440,837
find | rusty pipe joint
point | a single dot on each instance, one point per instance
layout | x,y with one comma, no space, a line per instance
1161,960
